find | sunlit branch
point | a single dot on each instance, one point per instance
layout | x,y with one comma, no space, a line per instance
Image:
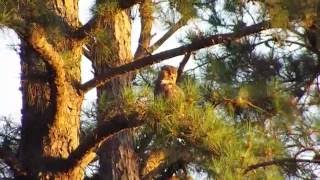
169,157
40,44
156,58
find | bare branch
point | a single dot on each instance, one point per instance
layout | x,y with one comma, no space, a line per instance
280,162
12,161
146,11
182,65
156,58
167,35
85,153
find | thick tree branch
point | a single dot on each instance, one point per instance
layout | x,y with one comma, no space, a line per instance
182,65
39,43
156,58
10,159
85,153
146,11
167,35
279,162
160,159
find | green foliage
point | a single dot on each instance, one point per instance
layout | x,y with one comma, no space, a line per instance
185,7
220,146
9,13
283,11
101,9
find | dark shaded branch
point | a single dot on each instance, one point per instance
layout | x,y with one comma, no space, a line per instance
146,11
156,58
182,65
12,161
279,162
85,152
167,35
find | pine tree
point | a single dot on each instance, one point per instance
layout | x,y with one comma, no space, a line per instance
244,115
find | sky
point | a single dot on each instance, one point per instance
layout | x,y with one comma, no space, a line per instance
10,95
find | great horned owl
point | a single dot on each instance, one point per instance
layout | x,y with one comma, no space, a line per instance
165,85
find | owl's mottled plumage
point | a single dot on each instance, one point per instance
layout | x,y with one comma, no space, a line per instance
165,85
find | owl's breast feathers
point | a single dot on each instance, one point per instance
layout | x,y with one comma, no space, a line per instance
169,90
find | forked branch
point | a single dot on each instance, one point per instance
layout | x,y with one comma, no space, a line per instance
156,58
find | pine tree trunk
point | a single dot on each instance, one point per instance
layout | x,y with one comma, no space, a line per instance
50,129
117,157
44,141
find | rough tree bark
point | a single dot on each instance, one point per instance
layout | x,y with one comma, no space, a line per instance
51,108
117,157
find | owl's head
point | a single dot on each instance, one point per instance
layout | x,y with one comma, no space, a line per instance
168,75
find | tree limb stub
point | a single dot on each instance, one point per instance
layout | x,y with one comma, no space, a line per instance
156,58
182,64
